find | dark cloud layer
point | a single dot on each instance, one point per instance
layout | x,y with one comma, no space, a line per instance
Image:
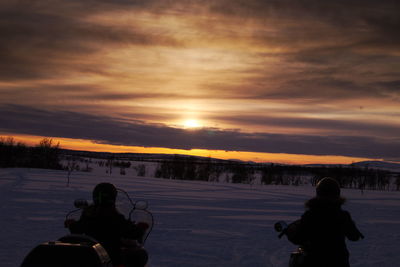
41,41
33,121
331,126
37,33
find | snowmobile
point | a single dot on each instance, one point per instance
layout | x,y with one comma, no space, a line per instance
75,250
297,257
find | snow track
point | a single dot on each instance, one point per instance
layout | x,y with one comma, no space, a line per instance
197,223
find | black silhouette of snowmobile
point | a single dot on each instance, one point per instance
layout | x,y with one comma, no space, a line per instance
84,251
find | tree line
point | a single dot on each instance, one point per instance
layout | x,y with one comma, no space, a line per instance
348,176
46,155
14,154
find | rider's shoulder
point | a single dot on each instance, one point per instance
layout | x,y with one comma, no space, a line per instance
93,211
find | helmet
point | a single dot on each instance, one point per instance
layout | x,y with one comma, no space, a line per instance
104,194
328,188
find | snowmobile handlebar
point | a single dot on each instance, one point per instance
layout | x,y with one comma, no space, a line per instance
135,211
281,228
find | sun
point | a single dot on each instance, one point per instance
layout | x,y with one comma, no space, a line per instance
191,123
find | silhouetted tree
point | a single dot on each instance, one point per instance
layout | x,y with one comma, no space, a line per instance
140,170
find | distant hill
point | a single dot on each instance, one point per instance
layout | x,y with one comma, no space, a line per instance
139,156
382,165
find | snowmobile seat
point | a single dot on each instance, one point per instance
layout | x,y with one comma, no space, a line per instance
67,254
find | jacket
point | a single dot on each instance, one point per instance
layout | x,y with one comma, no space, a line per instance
322,231
108,226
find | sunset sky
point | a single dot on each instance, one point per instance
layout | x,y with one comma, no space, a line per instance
287,81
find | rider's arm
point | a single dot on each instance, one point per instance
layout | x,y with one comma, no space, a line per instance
296,232
350,228
133,231
78,227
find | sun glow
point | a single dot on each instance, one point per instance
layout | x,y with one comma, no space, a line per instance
191,123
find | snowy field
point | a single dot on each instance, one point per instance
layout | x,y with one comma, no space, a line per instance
197,223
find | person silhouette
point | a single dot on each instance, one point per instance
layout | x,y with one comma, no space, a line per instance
103,222
323,228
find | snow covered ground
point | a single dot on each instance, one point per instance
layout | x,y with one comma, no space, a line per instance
197,223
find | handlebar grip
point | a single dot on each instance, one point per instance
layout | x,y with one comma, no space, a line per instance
282,233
